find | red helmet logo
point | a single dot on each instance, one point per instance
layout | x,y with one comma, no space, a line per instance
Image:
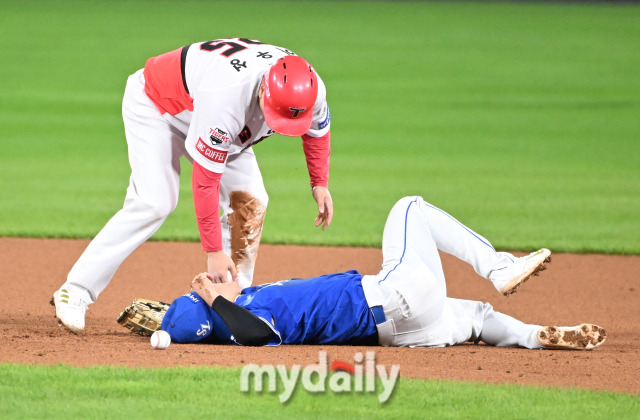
291,90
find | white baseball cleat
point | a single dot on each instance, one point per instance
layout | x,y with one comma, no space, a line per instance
70,310
508,279
580,337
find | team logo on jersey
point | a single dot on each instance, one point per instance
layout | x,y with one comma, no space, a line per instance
245,135
218,136
214,155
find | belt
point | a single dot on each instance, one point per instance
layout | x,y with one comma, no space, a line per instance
378,314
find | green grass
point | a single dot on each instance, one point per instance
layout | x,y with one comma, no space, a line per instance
519,119
107,392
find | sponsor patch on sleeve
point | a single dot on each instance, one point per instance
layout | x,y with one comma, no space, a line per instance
214,155
326,121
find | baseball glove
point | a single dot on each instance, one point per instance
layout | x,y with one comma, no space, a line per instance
144,316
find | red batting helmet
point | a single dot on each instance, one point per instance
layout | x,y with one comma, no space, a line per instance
290,91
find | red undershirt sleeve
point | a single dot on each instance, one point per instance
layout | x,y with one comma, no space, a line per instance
206,200
317,151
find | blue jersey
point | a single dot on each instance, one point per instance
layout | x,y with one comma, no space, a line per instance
329,309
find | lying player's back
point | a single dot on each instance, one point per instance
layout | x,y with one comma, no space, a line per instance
319,310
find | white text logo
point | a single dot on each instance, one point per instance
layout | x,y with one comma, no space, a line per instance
316,378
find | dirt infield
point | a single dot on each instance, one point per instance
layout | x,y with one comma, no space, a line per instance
575,289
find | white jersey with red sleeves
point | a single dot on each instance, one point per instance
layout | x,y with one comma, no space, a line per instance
212,88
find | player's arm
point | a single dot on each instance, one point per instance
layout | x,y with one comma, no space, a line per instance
246,328
208,145
317,152
316,144
206,199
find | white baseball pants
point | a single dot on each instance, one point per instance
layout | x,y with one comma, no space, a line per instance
411,286
156,143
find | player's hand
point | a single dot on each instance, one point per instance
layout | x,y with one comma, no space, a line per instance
325,206
202,285
219,266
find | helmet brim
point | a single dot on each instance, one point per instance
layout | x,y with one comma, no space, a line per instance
286,126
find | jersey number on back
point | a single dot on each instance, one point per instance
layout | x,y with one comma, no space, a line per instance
233,47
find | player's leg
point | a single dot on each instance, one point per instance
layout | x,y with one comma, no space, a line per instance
410,287
412,278
465,320
503,269
412,270
416,230
407,238
243,200
155,148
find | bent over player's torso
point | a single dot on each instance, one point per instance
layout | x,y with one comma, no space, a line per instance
209,91
320,310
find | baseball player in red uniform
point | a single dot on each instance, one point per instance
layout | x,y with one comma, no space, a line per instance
210,102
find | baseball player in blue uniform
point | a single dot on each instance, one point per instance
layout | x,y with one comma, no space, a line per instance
405,304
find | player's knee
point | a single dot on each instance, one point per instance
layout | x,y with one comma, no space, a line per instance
161,212
406,201
164,210
421,203
403,202
157,210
